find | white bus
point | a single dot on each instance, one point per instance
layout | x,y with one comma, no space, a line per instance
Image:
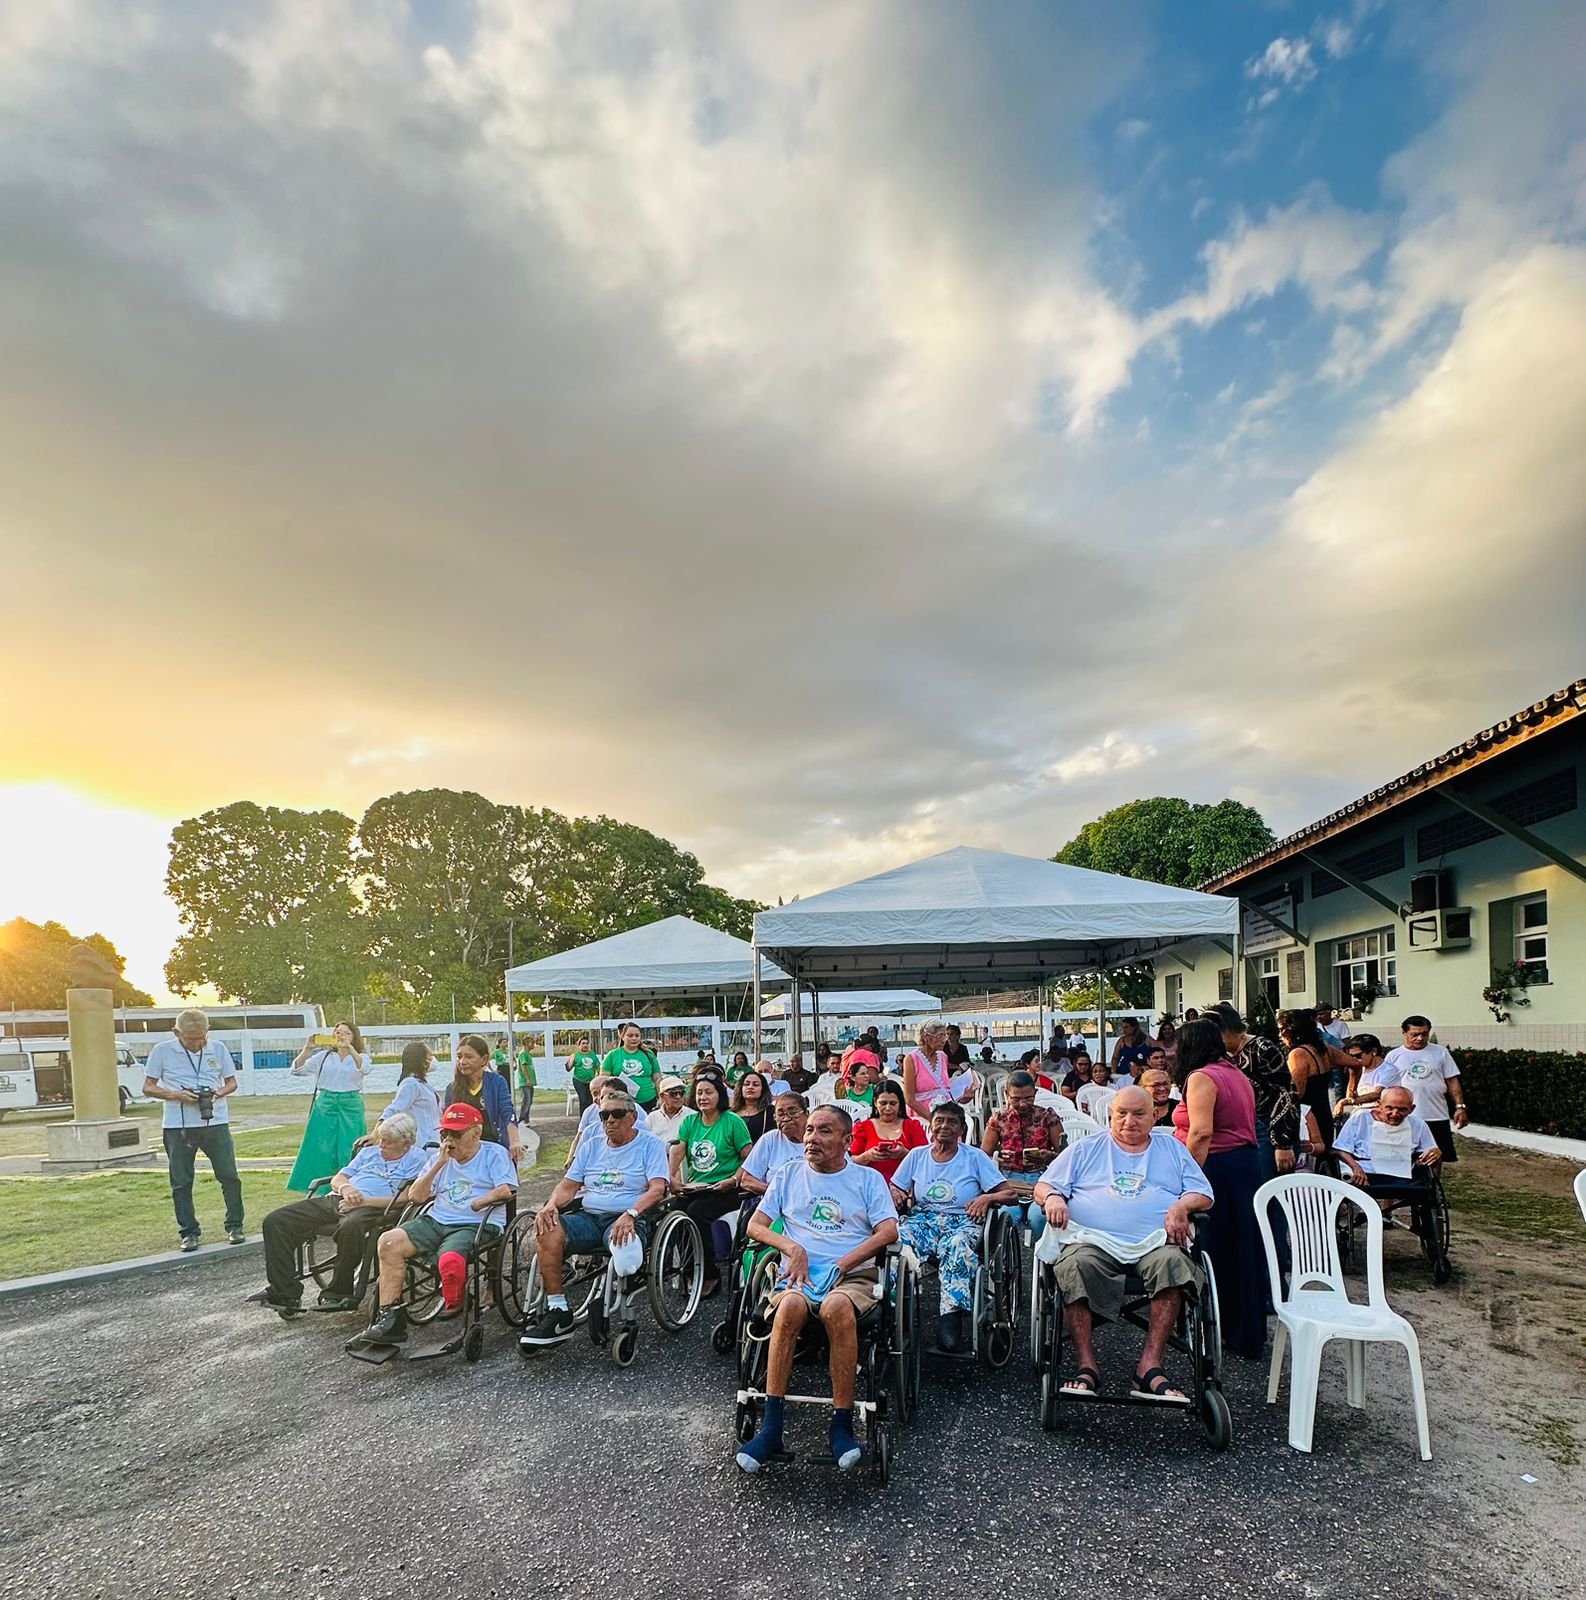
36,1061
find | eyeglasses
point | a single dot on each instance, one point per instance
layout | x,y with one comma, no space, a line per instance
614,1115
1354,1052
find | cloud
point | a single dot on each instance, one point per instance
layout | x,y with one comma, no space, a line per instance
1313,243
1285,61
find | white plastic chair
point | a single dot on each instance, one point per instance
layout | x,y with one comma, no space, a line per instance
1318,1308
1096,1103
1580,1190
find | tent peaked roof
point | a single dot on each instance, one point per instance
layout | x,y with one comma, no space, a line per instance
968,916
675,955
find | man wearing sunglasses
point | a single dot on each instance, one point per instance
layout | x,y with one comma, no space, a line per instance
609,1195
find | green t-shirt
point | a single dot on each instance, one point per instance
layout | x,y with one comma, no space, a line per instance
862,1097
712,1153
498,1059
635,1065
585,1065
526,1078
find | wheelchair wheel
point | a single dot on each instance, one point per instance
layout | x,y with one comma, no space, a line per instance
1216,1418
1000,1296
881,1452
676,1271
1209,1315
474,1342
721,1338
517,1272
625,1347
746,1424
1051,1317
424,1301
319,1258
906,1357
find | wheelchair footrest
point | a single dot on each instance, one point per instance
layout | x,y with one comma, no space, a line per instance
450,1348
375,1354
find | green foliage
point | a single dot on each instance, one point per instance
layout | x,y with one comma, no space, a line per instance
418,910
1081,996
1167,840
266,897
33,962
1262,1019
1539,1091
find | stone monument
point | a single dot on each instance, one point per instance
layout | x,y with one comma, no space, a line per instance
98,1135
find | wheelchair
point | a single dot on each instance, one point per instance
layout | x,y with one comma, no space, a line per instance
994,1305
316,1257
601,1299
422,1301
749,1274
887,1393
1426,1203
1197,1336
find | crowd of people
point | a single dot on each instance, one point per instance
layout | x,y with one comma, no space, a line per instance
829,1167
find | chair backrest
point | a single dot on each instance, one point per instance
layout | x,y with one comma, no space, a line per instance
1310,1204
1076,1125
1580,1190
1098,1104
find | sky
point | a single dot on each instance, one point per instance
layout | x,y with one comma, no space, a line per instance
822,434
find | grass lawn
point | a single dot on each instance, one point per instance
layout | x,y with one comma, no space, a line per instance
52,1223
55,1223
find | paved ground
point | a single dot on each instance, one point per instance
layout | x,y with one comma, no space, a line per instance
160,1437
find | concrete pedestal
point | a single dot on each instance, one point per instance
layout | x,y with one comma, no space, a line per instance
93,1145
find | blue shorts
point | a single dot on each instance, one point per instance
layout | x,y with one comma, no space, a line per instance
587,1231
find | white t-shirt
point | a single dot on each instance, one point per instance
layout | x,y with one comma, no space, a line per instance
1377,1077
177,1067
1354,1138
459,1183
946,1185
772,1151
665,1127
335,1073
1424,1072
378,1179
1337,1030
423,1104
828,1213
1076,1041
1122,1192
615,1176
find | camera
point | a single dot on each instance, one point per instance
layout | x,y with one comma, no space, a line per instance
206,1104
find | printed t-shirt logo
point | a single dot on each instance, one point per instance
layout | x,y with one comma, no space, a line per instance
608,1178
826,1214
1419,1069
938,1192
702,1155
1128,1185
458,1189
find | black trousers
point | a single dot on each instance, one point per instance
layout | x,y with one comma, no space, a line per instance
289,1227
704,1209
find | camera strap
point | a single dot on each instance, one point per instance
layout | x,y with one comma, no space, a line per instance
197,1064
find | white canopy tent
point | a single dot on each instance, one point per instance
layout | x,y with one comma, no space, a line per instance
673,956
972,918
857,1003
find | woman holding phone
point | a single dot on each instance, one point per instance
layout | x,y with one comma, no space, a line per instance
336,1116
882,1139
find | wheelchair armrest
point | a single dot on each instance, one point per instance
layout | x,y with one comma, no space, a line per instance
319,1187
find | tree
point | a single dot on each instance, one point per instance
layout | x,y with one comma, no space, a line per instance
719,909
266,896
33,960
1081,996
1167,840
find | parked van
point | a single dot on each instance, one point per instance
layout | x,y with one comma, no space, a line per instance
39,1073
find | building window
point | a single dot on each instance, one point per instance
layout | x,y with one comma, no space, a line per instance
1267,980
1173,994
1368,958
1530,935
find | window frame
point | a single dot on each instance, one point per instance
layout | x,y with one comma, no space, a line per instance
1524,935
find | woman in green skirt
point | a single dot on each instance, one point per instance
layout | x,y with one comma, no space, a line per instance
336,1120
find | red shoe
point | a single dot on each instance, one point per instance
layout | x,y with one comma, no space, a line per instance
454,1278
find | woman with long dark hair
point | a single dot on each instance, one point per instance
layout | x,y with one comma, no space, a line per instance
711,1145
336,1116
487,1092
886,1136
751,1099
1216,1120
416,1096
1311,1061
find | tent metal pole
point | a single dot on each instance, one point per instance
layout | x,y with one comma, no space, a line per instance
1101,1019
754,959
815,1019
797,1019
600,1025
1239,968
1040,1018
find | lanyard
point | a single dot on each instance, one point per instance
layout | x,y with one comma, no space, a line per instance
197,1064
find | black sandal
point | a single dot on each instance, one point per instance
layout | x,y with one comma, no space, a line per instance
1086,1375
1154,1384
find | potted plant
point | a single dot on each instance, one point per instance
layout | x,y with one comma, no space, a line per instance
1507,989
1366,995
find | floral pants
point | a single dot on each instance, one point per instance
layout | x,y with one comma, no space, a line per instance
954,1241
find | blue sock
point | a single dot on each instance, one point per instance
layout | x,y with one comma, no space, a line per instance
845,1448
768,1441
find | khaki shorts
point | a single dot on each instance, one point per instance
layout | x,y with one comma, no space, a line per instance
1091,1276
858,1286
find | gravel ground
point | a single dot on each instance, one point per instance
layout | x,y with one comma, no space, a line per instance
160,1437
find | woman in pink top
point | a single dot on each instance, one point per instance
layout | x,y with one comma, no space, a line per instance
1216,1120
927,1074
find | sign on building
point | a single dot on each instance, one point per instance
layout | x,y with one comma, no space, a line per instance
1259,934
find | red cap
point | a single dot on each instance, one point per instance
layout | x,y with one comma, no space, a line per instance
459,1116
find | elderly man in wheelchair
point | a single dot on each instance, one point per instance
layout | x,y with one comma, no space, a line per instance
350,1206
466,1188
1121,1208
606,1205
950,1190
837,1219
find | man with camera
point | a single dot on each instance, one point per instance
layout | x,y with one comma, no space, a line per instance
194,1076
